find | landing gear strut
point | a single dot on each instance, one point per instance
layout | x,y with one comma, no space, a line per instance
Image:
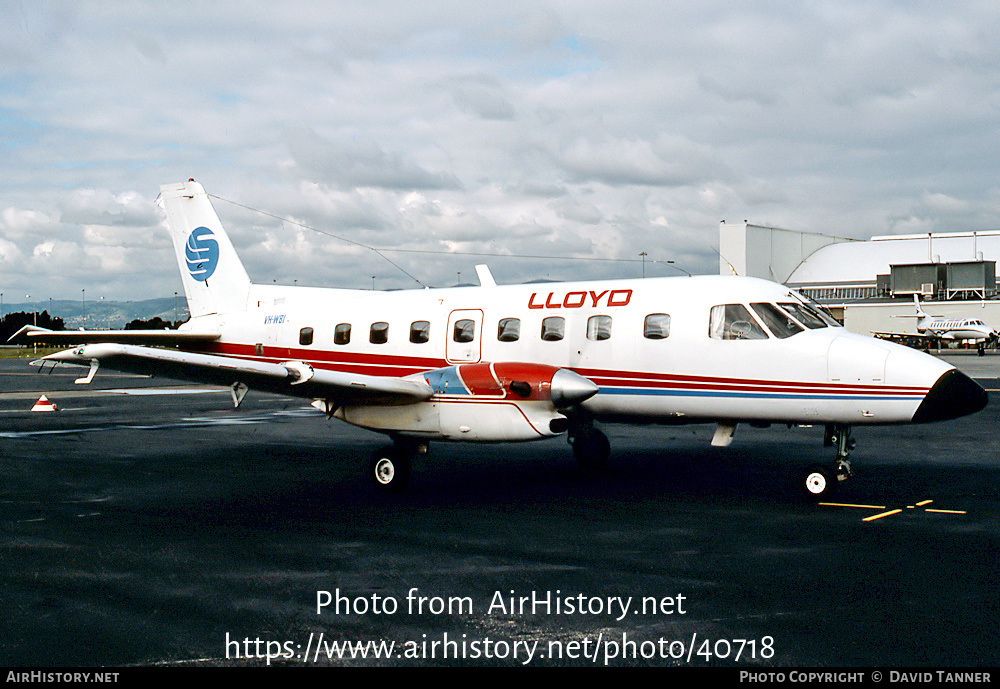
820,481
590,446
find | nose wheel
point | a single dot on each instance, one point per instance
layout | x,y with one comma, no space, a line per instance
821,481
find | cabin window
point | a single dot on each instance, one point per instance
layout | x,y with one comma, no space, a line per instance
465,330
342,334
734,322
379,333
599,328
509,330
776,320
553,328
420,332
258,349
656,326
306,337
805,315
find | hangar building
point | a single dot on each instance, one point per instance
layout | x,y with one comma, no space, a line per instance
870,284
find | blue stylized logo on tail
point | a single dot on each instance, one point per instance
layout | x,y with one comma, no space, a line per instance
202,253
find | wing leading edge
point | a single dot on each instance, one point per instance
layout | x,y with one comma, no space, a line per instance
295,378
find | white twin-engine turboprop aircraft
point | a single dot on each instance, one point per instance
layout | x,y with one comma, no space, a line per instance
521,362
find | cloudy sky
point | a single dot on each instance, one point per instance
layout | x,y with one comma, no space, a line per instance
436,131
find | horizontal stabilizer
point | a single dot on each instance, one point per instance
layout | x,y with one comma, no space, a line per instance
150,337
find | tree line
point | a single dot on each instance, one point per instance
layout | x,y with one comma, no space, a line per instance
12,322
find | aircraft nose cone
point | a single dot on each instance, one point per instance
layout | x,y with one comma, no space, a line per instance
570,388
953,395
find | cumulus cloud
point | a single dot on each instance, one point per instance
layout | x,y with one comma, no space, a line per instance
582,130
360,164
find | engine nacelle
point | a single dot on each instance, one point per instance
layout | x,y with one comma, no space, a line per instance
485,402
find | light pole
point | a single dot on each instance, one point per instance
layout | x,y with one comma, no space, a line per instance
34,345
83,301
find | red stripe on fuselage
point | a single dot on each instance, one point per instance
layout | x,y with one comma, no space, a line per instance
400,366
647,379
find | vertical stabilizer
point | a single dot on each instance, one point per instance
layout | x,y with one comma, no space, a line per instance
921,315
214,278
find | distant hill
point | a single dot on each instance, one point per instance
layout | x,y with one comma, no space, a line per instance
105,314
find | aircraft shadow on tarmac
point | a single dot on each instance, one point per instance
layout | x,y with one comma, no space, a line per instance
272,484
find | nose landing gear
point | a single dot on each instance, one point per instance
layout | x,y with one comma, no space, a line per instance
821,481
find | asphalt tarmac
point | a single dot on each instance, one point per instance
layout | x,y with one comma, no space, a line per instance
147,523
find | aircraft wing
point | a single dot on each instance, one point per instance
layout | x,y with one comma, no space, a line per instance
153,337
294,378
905,338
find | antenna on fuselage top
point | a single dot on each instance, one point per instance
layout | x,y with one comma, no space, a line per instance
485,276
723,258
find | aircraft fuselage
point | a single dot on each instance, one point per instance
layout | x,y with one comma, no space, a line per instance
646,343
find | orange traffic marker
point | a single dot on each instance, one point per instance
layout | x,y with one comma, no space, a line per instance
43,404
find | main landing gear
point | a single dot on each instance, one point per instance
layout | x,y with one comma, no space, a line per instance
821,481
590,446
389,467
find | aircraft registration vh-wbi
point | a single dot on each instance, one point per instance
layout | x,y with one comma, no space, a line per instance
521,362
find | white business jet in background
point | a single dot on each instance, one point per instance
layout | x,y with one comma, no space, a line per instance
522,362
951,328
935,329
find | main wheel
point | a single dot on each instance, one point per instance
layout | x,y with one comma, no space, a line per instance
389,469
591,448
819,482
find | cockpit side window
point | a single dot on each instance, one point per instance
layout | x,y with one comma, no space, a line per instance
734,322
776,320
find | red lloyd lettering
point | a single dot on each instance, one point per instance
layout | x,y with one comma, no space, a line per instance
625,295
576,300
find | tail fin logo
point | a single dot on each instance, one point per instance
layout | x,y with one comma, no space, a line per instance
202,254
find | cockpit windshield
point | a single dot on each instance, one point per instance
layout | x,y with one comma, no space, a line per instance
807,315
776,320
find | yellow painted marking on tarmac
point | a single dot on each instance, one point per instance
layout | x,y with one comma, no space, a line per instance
879,516
922,503
844,504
